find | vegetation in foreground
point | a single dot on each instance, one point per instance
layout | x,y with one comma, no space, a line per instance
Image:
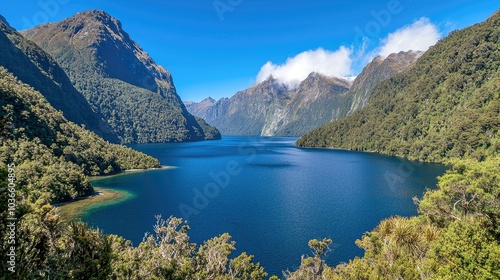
455,236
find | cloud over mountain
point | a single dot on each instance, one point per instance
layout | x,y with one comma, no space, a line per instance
296,69
418,36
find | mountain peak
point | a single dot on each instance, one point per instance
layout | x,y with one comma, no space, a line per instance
411,53
314,75
401,60
316,78
270,81
208,100
99,17
85,29
97,14
107,47
92,26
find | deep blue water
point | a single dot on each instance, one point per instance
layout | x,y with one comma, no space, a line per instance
275,197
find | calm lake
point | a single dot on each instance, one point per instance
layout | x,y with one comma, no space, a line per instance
269,195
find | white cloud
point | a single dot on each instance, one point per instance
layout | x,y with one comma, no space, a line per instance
418,36
296,69
342,63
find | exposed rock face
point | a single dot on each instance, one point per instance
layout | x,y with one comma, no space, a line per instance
271,109
378,70
2,19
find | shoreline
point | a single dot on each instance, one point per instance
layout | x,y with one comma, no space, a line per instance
129,171
74,209
369,152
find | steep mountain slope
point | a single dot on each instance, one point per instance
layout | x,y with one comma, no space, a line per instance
316,102
52,155
35,67
135,95
269,108
201,109
446,105
249,111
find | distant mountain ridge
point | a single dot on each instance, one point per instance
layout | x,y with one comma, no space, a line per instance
136,96
271,109
265,108
446,106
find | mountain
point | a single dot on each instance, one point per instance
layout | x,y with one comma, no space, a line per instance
46,159
447,105
315,102
249,111
272,109
35,67
203,108
119,79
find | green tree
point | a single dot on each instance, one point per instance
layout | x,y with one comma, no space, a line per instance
312,268
466,250
86,253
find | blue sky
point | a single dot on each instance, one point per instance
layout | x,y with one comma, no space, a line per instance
217,47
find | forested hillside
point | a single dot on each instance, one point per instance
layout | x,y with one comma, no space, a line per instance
446,106
53,157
